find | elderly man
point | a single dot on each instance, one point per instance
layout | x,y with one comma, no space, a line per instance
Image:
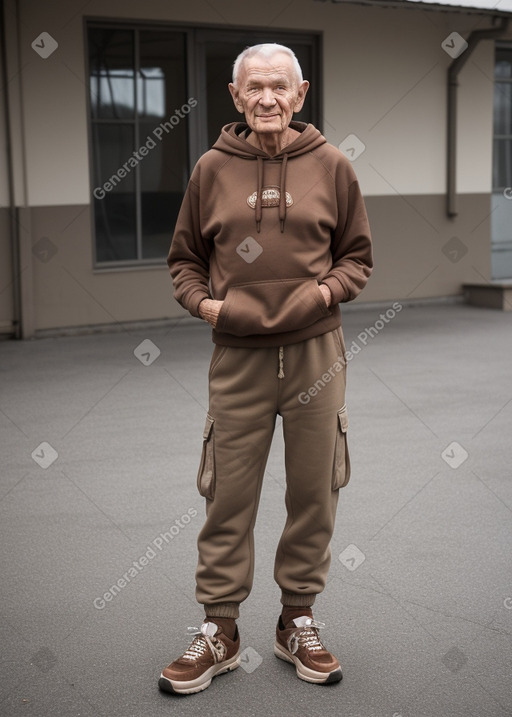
272,235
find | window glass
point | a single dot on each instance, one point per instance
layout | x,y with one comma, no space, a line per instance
502,164
503,108
111,62
503,66
114,202
163,110
502,161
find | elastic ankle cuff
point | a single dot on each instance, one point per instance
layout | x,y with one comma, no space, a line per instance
295,600
223,609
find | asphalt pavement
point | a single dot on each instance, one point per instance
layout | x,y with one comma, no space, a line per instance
99,516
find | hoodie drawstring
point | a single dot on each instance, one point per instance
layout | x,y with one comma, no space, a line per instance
282,192
281,362
282,189
259,193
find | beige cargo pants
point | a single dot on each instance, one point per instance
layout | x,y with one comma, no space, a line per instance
305,384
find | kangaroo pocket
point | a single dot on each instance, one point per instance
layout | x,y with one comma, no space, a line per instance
271,307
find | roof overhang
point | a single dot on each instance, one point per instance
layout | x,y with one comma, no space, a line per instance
483,7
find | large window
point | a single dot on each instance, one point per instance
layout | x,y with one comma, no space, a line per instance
503,119
501,216
158,99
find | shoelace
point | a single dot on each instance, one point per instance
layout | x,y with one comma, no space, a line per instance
308,637
200,644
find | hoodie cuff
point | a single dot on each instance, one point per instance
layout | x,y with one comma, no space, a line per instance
338,292
194,301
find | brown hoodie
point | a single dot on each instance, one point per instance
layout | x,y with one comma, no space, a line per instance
261,232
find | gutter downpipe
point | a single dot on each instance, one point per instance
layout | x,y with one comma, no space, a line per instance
453,73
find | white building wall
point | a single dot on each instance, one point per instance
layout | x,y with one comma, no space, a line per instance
382,74
384,81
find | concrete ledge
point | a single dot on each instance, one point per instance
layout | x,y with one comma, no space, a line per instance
117,327
495,295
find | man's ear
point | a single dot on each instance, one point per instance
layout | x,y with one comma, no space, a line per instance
301,95
236,97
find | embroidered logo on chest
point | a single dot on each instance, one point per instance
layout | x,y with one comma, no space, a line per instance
270,197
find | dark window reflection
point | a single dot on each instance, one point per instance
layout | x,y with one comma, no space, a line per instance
111,60
219,68
140,140
502,161
114,210
161,94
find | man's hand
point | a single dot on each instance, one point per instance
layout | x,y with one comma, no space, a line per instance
326,292
209,310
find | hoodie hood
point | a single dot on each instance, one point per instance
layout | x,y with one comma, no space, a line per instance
232,141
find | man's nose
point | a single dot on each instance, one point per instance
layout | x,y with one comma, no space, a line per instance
267,97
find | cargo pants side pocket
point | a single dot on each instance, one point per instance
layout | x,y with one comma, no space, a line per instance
206,473
341,468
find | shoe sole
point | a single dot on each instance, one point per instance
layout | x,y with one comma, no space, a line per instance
176,687
306,673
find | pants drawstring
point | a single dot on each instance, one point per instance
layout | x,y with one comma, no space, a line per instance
281,362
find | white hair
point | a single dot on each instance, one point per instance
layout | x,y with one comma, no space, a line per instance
267,50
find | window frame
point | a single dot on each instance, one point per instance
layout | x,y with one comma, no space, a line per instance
500,137
196,37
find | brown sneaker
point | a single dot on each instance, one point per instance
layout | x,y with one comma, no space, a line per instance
210,653
299,643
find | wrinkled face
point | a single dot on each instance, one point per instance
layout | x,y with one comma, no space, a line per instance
268,93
